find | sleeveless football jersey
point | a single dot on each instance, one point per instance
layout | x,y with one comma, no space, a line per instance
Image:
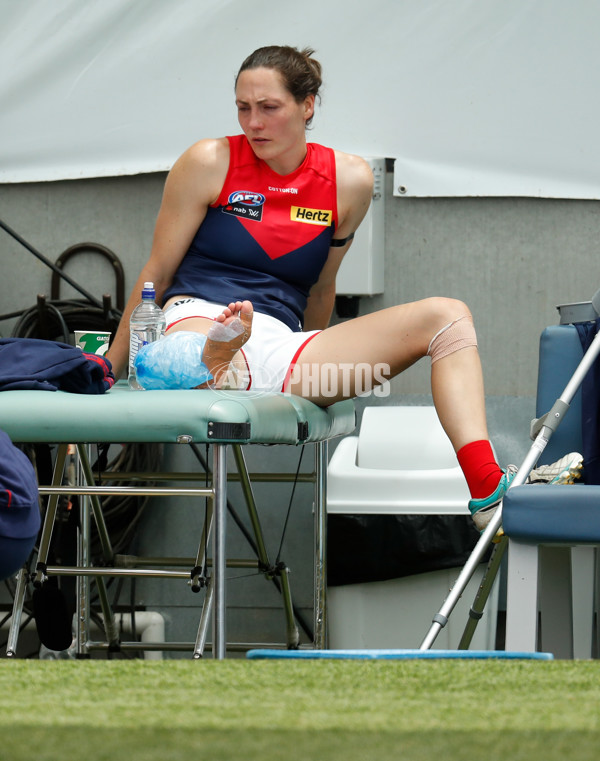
267,236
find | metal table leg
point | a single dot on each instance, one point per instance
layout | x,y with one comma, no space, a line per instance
219,553
320,583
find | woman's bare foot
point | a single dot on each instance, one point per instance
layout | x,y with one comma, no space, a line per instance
230,331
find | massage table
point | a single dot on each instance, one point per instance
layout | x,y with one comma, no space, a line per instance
222,419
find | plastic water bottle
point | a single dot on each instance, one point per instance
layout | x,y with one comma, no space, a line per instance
147,324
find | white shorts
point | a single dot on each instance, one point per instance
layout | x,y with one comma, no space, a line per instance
269,354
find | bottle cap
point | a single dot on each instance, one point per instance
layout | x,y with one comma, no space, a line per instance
148,291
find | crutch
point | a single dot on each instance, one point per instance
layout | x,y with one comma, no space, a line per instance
541,432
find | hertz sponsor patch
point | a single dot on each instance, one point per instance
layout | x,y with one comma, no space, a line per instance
321,217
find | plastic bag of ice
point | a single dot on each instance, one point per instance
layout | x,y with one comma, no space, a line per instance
174,361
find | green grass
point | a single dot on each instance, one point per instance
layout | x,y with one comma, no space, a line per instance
299,710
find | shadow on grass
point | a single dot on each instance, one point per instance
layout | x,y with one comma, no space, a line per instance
28,742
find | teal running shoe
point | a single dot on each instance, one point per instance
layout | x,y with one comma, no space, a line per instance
483,509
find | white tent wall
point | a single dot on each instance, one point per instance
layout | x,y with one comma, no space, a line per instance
91,117
470,97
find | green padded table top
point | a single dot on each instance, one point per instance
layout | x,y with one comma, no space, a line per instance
122,416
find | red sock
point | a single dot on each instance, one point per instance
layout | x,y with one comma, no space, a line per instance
481,470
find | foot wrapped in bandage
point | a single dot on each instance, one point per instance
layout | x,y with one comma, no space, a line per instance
225,338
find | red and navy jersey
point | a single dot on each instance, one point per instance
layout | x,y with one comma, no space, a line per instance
267,236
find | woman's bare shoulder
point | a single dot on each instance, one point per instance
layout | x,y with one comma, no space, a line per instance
202,168
354,188
353,172
207,153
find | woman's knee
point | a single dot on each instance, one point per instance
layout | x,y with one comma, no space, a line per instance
443,310
455,329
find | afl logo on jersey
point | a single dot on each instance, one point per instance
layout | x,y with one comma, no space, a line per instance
246,204
247,197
